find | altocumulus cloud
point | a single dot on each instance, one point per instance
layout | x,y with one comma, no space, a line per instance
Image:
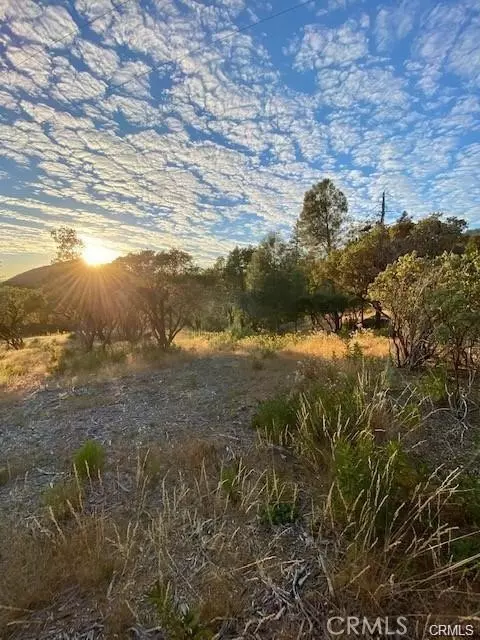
152,123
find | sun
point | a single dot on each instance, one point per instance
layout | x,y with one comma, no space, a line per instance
96,254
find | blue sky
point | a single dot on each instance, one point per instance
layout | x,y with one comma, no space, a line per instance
149,125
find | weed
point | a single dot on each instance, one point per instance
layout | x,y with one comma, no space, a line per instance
230,480
354,351
434,384
276,418
64,499
179,622
89,460
278,513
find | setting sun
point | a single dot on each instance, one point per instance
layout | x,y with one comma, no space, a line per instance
96,254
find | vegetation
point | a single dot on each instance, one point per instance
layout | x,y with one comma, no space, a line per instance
356,488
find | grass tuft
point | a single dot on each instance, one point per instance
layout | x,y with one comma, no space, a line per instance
89,460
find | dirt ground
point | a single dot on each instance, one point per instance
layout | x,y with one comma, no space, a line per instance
208,396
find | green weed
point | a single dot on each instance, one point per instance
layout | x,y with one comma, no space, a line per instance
276,418
179,623
278,513
89,460
64,498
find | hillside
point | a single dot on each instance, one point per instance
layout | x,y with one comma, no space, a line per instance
38,277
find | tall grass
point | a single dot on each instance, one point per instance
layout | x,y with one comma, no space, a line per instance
396,526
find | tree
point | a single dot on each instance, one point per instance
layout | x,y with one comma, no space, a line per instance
274,284
326,308
69,245
359,263
431,236
234,280
89,300
455,309
434,305
323,217
163,283
403,290
16,307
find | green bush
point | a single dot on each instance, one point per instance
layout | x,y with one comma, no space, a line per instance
464,548
74,360
276,418
434,384
89,460
371,478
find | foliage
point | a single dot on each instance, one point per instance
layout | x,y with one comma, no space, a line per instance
89,460
17,306
278,513
274,283
434,306
326,308
322,218
403,289
276,418
68,243
162,284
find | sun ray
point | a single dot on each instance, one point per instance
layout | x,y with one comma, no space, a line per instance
95,254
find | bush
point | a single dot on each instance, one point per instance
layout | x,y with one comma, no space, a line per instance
371,479
73,360
276,418
89,460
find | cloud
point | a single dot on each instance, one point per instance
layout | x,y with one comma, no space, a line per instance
145,129
323,47
394,23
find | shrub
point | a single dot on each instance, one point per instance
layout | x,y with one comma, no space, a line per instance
370,479
89,460
434,384
276,418
463,548
74,360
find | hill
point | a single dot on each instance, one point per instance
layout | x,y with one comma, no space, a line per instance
38,277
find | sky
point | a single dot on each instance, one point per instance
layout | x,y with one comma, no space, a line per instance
182,123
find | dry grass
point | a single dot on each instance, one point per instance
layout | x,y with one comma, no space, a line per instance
318,344
182,541
27,367
206,541
45,357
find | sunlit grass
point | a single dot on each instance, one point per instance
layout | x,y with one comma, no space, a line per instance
61,355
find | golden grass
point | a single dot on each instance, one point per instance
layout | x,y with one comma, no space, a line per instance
29,366
44,357
319,344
